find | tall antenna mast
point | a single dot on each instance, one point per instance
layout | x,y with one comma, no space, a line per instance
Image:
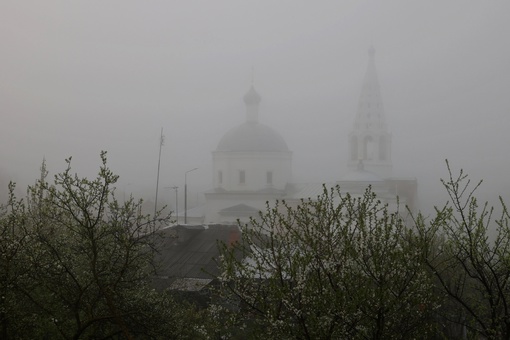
161,142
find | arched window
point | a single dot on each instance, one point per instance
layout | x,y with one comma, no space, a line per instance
354,148
368,148
383,148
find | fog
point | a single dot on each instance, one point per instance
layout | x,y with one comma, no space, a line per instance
78,77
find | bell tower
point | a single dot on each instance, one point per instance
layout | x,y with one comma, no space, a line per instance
369,140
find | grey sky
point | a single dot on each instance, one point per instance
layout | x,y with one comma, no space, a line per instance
81,76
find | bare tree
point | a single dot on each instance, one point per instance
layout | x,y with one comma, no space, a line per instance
471,269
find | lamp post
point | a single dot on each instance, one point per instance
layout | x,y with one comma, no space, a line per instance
176,203
186,195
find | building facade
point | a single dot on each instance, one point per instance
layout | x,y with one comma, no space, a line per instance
370,145
252,165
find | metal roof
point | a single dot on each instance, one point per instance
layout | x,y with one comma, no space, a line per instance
189,251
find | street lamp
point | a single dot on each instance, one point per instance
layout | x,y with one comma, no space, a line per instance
186,195
176,203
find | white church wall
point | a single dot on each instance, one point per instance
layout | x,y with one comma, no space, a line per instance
255,166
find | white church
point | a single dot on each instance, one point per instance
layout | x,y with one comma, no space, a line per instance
252,163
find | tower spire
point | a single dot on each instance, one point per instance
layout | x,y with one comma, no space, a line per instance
369,140
371,52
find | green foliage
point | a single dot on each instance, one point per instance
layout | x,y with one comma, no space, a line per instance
77,263
333,267
13,244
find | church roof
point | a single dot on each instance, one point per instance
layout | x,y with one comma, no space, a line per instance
361,175
190,251
239,210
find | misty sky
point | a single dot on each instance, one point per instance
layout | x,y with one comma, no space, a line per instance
82,76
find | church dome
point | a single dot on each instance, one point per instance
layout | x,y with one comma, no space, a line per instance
252,136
